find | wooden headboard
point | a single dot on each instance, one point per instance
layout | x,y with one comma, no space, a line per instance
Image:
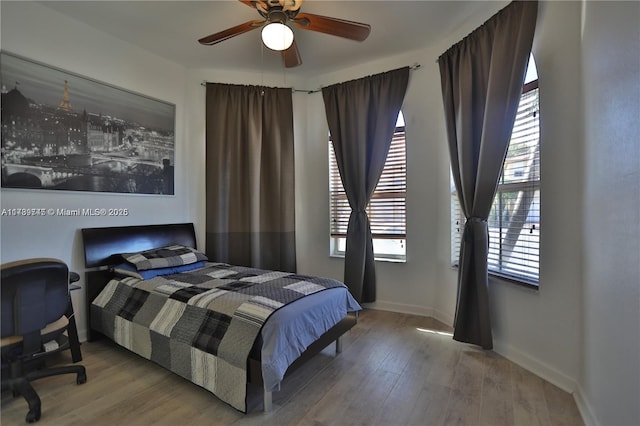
101,245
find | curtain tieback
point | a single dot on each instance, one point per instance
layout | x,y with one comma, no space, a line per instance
468,227
476,220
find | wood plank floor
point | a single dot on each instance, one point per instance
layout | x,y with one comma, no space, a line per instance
395,369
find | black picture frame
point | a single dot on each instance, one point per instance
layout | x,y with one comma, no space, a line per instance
64,131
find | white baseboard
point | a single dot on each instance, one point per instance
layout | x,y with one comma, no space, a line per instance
399,307
586,411
537,367
404,308
552,376
443,317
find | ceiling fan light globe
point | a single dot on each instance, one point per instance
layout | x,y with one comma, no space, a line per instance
277,36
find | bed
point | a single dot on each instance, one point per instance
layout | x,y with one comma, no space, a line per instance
220,326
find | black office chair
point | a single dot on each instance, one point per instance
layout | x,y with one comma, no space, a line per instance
35,298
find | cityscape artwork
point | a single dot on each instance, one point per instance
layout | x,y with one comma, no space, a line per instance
61,131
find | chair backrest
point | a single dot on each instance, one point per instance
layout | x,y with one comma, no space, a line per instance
35,292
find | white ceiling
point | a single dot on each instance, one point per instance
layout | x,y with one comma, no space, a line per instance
170,29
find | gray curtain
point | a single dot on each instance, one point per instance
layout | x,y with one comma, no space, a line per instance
482,78
362,117
250,176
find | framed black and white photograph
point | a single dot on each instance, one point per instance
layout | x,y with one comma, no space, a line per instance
62,131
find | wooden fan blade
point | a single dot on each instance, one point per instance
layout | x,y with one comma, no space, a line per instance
290,4
231,32
334,26
252,3
291,57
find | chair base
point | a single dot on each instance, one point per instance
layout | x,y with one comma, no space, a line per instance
22,386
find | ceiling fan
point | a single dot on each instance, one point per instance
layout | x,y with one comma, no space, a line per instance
277,35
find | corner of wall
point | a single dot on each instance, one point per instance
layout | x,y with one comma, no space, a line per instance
584,407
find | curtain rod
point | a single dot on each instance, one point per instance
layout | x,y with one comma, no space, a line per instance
412,68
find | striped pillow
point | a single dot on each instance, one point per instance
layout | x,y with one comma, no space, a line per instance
164,257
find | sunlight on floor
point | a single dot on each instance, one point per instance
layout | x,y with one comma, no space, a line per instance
442,333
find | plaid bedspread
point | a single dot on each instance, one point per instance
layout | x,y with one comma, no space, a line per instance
200,324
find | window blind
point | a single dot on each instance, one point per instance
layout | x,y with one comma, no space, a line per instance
514,220
387,208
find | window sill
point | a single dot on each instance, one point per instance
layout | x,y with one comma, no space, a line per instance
377,259
514,281
509,280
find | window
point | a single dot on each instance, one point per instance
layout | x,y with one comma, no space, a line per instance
514,220
387,208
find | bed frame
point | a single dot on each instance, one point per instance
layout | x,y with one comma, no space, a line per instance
101,246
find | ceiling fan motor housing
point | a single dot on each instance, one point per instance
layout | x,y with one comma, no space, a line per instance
278,16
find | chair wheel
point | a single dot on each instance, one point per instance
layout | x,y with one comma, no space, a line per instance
33,415
81,379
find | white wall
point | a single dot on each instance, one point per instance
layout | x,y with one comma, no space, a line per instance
610,376
425,284
548,331
538,329
38,33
